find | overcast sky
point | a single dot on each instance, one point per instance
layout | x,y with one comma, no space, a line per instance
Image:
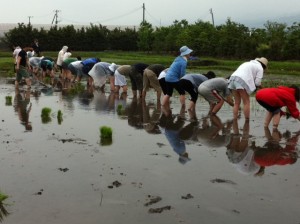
158,12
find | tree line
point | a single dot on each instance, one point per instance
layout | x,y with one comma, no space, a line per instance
276,41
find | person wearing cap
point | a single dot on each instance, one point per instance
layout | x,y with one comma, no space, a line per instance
273,99
121,73
176,71
99,73
150,79
215,91
244,81
190,84
60,57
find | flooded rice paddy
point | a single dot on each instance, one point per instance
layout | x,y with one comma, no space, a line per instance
60,172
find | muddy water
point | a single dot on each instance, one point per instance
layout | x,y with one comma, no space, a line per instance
61,173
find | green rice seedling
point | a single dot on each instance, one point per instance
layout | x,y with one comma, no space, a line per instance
3,211
106,135
59,117
46,114
120,110
77,88
106,132
8,100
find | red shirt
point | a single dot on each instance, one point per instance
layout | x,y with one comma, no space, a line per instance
279,97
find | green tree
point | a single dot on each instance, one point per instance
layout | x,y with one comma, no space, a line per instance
145,36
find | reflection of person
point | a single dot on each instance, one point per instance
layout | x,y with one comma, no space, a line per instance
23,107
272,99
190,84
151,114
239,152
272,153
150,79
244,81
174,73
215,91
171,125
213,132
135,113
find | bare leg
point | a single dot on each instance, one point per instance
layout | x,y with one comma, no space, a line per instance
182,100
166,100
246,102
217,107
237,103
268,119
276,119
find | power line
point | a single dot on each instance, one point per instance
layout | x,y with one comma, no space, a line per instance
118,17
158,21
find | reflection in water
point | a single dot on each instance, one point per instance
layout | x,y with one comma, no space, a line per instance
23,106
239,152
135,113
151,115
212,132
171,125
272,153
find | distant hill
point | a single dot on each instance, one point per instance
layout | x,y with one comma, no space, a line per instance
259,23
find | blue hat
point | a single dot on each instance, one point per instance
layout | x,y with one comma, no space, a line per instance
185,51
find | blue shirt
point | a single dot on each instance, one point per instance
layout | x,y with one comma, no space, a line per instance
176,70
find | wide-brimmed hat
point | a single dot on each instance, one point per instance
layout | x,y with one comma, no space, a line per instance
185,51
112,67
262,60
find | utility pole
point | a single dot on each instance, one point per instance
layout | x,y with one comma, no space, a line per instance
212,16
29,17
55,17
143,13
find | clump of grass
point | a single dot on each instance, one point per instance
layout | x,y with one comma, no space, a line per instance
120,110
3,197
3,211
8,100
46,114
76,89
106,135
59,116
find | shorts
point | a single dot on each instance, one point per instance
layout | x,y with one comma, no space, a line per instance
236,83
189,87
150,80
208,94
120,80
136,79
163,85
22,73
174,85
271,109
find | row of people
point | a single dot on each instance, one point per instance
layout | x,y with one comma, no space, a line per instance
241,84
